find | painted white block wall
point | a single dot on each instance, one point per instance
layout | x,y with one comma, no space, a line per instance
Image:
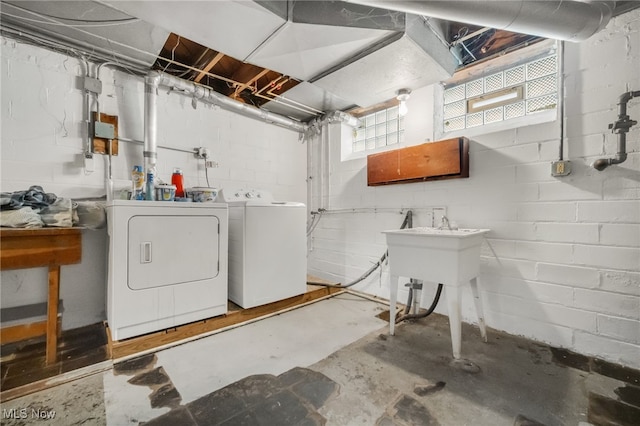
562,263
42,144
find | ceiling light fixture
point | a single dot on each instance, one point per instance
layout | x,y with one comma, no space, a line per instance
403,96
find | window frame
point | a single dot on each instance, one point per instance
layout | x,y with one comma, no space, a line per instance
511,60
361,114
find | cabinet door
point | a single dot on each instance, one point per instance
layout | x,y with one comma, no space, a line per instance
158,244
429,161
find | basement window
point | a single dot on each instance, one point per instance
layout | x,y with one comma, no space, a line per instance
379,129
505,96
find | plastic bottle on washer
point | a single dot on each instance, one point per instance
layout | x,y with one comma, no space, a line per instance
151,180
137,188
177,179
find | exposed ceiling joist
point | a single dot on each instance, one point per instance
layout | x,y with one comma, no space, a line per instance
212,63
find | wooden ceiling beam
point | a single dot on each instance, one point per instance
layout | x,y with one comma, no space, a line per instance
212,63
251,80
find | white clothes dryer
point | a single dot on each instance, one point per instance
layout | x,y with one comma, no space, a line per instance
267,247
167,264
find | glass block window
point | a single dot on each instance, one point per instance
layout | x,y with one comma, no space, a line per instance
379,129
511,93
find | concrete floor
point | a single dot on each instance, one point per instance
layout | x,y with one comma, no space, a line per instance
333,363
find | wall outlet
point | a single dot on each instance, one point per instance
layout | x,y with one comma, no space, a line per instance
88,162
561,168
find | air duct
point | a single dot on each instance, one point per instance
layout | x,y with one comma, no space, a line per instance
561,20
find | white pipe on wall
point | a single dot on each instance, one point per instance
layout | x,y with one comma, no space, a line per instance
152,82
156,79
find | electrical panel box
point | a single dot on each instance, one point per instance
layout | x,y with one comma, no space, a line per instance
105,134
103,130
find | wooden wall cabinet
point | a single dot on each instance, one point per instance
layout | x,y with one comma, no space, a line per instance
446,159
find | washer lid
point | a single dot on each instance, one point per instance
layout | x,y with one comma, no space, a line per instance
262,203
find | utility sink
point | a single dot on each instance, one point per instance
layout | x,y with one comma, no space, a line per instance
449,257
459,232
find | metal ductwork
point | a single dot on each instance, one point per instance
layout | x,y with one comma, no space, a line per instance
561,20
343,53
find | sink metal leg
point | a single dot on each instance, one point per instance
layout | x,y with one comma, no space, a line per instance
393,298
455,322
478,302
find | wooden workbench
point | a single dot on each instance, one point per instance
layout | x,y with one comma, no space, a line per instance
32,248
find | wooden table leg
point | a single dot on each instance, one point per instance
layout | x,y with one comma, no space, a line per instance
52,313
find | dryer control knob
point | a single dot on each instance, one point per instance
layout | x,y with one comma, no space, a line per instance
248,195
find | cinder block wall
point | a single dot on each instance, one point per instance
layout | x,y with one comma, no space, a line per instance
42,144
562,263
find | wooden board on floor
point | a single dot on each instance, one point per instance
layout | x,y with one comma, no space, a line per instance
18,332
134,345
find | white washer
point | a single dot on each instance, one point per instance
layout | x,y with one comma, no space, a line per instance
267,247
167,264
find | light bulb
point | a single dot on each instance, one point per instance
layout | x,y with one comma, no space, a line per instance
402,109
403,95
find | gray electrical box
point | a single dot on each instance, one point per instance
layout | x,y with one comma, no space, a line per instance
103,130
93,85
561,168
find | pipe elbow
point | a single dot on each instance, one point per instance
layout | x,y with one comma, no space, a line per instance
601,163
627,96
153,78
620,157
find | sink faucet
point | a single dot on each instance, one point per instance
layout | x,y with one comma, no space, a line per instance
444,223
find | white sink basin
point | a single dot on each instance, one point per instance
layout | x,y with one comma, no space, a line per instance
450,257
444,239
458,233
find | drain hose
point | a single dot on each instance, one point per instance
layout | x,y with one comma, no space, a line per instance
428,312
407,222
407,218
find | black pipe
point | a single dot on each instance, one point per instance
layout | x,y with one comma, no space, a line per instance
407,218
407,307
428,312
407,222
621,127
